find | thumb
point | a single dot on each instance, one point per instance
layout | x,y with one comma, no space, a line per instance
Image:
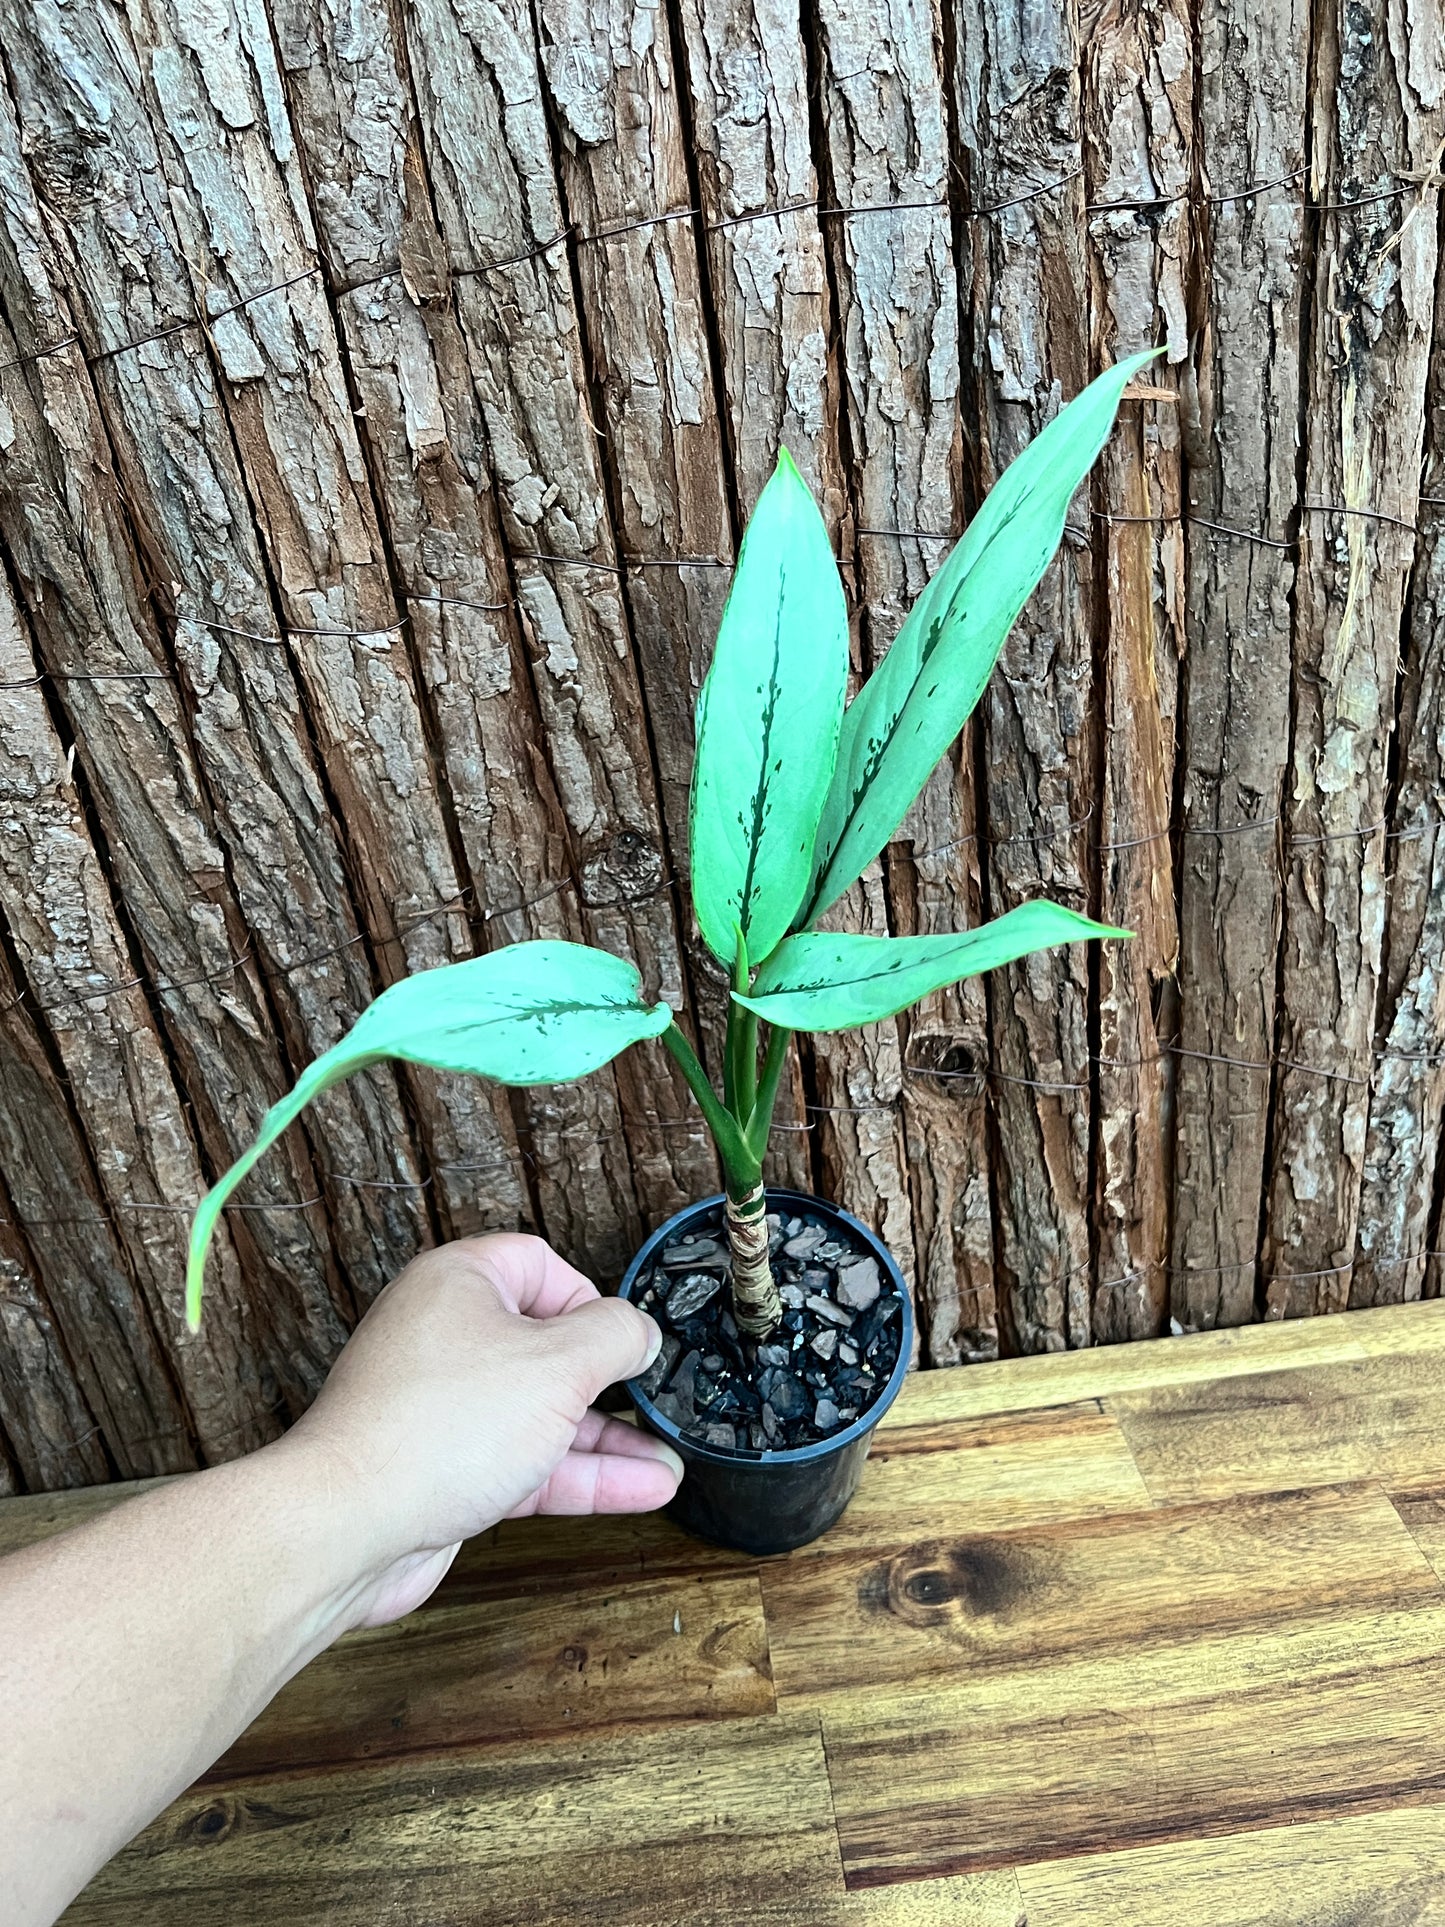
605,1339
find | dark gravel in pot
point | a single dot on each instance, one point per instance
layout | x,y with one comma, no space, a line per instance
823,1367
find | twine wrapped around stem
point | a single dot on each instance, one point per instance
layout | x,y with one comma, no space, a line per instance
756,1304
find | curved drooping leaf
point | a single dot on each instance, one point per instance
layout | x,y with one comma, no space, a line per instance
767,723
533,1013
919,697
820,982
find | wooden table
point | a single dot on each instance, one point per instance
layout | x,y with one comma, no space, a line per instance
1147,1635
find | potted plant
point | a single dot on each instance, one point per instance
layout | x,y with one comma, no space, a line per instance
787,1325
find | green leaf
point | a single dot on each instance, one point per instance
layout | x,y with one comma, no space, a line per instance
914,704
822,982
767,723
534,1013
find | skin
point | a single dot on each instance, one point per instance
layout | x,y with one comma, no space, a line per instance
139,1646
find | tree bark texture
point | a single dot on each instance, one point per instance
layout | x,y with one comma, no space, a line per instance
383,395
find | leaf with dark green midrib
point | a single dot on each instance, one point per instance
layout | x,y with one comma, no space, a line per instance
533,1013
898,726
767,724
823,982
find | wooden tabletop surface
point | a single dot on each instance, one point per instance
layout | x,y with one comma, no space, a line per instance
1145,1635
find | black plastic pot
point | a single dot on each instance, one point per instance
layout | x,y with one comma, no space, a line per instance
763,1502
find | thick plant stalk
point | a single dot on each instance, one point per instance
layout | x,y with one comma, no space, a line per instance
756,1304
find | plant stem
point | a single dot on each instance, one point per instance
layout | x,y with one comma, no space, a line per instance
756,1304
760,1123
740,1083
742,1167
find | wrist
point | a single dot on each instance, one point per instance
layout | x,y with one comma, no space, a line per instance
312,1513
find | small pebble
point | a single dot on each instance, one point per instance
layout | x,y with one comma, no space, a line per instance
787,1399
658,1372
688,1298
805,1243
720,1434
848,1353
792,1296
826,1415
825,1309
859,1284
773,1354
825,1344
693,1253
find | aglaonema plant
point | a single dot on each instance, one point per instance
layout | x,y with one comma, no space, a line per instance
795,791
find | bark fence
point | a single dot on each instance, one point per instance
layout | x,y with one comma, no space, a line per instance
381,395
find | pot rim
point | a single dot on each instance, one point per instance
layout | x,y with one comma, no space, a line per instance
792,1454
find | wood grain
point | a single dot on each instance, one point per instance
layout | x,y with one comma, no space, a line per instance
654,1653
1373,1418
1379,1867
693,1829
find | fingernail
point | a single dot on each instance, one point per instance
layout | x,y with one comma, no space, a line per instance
668,1457
654,1344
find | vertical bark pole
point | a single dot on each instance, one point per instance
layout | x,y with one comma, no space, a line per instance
487,150
886,131
1241,439
1407,1099
747,73
80,974
627,196
65,1247
189,119
1379,116
421,427
1137,145
746,80
49,1428
1024,280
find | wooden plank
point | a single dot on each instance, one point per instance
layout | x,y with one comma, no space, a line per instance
971,1900
1138,128
722,1822
1026,352
1424,1517
426,444
1025,1604
1306,1720
1378,1867
596,1656
1376,121
1240,401
1393,1259
1370,1418
1027,1384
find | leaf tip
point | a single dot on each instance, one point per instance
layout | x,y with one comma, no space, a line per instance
786,464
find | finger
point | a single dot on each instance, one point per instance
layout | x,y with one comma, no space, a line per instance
603,1340
588,1482
529,1276
599,1433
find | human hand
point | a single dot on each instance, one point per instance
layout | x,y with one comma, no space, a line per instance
464,1397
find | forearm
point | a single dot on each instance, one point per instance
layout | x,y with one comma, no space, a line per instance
137,1648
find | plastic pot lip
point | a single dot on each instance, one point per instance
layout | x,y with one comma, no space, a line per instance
690,1448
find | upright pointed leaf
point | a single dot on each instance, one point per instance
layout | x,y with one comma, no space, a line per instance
767,723
820,982
914,704
534,1013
